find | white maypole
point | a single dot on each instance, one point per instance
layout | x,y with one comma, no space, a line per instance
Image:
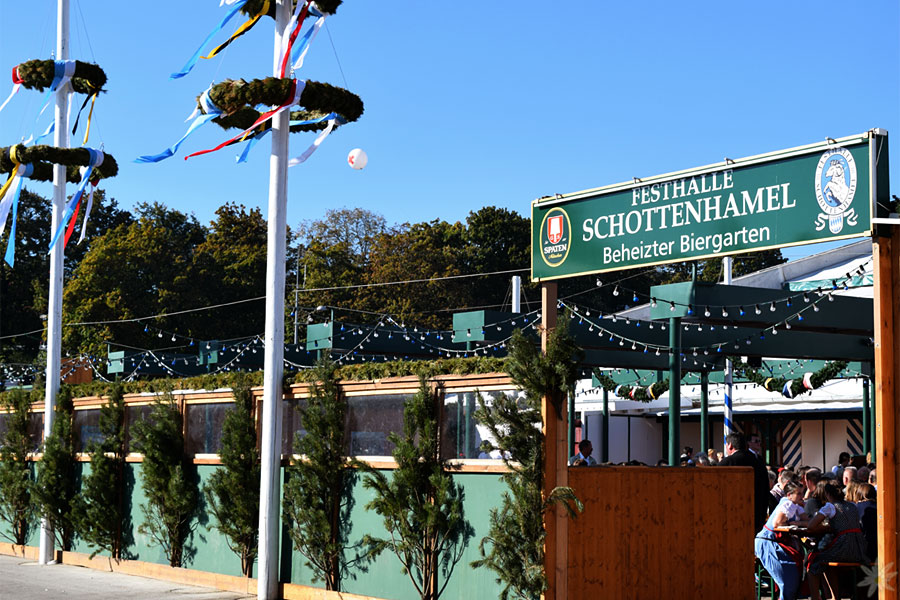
270,445
54,308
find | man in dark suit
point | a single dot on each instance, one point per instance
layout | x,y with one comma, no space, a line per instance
737,455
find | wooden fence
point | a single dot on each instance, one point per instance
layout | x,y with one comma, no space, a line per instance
660,532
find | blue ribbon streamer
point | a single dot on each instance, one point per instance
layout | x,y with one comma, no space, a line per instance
212,113
49,130
192,61
70,207
59,71
304,42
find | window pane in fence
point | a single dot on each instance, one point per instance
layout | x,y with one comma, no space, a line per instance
87,428
292,424
461,435
134,414
371,419
36,430
204,427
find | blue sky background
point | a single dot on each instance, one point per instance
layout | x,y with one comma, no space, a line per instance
471,105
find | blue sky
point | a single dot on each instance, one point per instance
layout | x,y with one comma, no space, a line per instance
472,105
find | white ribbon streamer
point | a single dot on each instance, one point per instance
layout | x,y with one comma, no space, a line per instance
15,90
315,145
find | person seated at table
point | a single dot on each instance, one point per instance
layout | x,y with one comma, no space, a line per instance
844,541
777,492
779,552
811,478
868,519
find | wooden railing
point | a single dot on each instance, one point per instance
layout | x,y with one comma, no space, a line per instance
661,532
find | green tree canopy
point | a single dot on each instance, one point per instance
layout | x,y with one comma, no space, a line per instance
133,270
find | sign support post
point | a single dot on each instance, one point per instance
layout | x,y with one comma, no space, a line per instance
556,473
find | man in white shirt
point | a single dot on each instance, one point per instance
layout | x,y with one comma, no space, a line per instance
584,453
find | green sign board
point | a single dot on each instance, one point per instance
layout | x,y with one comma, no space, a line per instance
814,193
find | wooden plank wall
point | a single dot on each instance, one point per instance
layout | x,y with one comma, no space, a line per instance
660,532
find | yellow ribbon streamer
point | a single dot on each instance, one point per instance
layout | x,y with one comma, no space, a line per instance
242,29
87,129
12,175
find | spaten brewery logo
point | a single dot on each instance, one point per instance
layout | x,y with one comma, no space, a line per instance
556,235
835,188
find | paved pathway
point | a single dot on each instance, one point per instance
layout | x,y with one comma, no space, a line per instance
22,579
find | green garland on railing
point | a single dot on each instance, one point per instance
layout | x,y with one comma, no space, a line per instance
370,371
237,99
791,388
38,74
254,6
630,392
44,157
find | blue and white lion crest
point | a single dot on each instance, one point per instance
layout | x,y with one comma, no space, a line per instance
835,188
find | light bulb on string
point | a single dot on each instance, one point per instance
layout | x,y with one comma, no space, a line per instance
616,291
772,307
757,310
653,302
706,312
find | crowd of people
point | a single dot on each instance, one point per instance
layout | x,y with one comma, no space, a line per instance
805,518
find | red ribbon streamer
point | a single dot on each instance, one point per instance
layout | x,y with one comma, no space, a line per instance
15,75
71,226
263,117
287,52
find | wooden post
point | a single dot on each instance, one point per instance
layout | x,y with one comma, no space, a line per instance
886,297
556,471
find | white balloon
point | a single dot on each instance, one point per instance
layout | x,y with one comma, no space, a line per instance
357,159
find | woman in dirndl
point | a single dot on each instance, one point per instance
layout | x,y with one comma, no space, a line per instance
845,541
779,552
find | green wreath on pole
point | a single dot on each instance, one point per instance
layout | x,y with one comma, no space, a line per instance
254,6
237,99
88,78
44,157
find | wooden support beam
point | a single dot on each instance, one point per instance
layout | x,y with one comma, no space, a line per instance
887,365
556,471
